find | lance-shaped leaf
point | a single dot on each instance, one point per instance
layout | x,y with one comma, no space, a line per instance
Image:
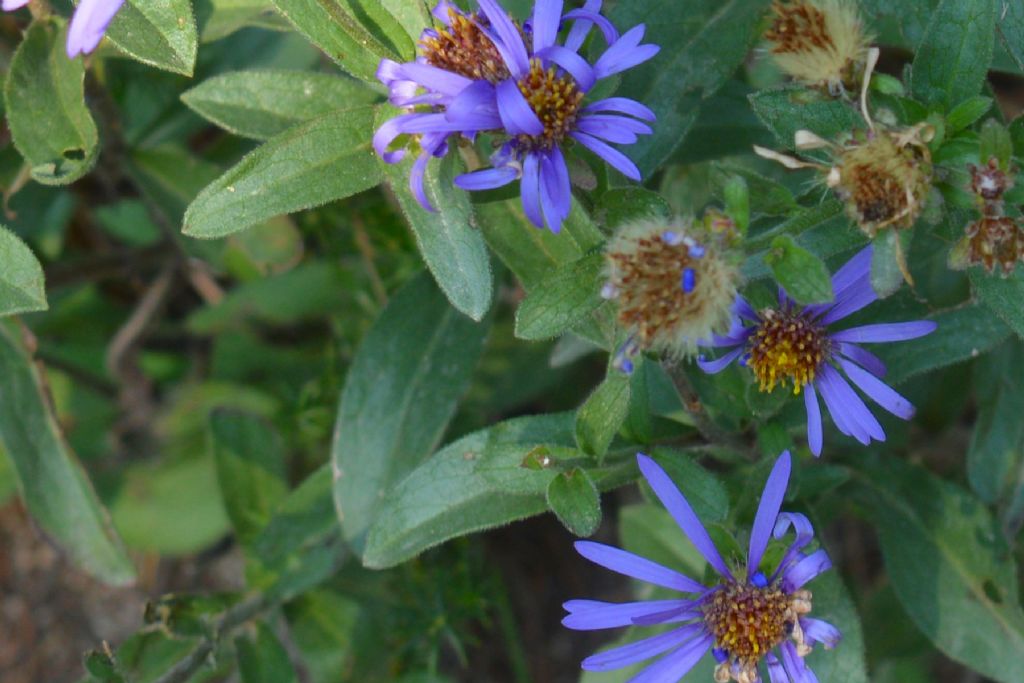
563,298
161,33
948,565
22,286
326,159
955,53
451,245
46,111
400,392
262,104
53,484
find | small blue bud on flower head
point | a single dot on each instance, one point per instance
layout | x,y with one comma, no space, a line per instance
481,73
88,24
689,280
745,617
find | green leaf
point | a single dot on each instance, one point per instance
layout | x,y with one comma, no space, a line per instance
53,484
804,276
995,454
705,492
322,624
621,205
262,658
250,469
962,333
787,110
531,252
948,566
1002,296
574,499
220,18
599,418
994,141
325,159
954,55
400,393
475,483
888,261
263,103
562,299
1011,31
332,26
22,286
46,111
172,507
305,517
967,112
161,33
702,44
449,242
832,603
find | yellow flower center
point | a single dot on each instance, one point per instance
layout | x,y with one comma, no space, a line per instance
786,346
748,621
554,99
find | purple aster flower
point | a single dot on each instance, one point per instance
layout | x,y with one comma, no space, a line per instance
482,72
793,343
88,24
751,614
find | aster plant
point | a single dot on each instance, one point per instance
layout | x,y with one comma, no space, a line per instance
482,72
797,345
348,280
747,616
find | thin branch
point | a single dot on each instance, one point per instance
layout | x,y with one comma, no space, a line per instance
693,405
229,621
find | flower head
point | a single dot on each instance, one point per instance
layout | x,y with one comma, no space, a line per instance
672,281
794,345
751,615
482,72
995,240
883,179
820,43
883,175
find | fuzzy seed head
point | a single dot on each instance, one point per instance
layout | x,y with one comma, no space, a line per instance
821,44
884,180
555,99
674,284
787,346
463,48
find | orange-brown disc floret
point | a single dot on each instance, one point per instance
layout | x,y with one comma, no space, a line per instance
555,99
464,49
748,621
787,346
798,27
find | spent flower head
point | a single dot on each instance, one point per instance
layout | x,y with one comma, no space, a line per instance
820,43
749,616
483,72
794,345
994,240
673,281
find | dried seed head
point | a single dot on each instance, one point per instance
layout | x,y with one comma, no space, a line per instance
673,282
820,43
989,182
463,48
992,242
885,179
